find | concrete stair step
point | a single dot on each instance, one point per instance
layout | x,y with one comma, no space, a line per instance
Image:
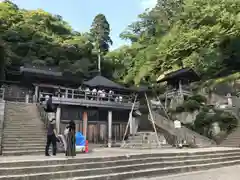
124,169
24,148
41,161
22,125
30,139
23,129
19,145
20,135
153,172
23,152
22,142
25,132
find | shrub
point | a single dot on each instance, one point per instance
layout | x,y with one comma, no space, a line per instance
199,98
180,109
191,105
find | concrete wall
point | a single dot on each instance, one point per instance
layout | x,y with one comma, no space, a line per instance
2,110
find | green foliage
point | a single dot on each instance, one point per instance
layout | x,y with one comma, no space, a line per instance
204,120
191,105
40,38
200,34
199,98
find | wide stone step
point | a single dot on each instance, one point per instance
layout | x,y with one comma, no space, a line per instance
29,132
22,142
30,139
43,161
23,152
19,145
19,135
22,125
153,172
122,169
23,148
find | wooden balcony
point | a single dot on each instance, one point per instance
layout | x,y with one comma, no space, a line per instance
82,98
172,93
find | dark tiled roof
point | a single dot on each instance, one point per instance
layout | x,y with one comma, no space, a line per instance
100,81
185,72
41,70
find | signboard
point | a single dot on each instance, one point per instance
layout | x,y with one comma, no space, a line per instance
177,124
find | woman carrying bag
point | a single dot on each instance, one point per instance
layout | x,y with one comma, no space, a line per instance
71,139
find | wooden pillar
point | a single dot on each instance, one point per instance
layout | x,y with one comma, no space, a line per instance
85,123
109,129
36,92
58,119
131,124
27,98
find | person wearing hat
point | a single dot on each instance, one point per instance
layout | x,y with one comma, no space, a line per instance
51,137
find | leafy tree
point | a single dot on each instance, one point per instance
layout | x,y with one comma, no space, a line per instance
200,34
40,38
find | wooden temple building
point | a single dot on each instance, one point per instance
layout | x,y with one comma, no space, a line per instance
178,86
100,120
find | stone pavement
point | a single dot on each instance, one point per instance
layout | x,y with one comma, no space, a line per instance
110,152
226,173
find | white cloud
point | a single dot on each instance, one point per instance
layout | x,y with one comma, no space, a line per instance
148,4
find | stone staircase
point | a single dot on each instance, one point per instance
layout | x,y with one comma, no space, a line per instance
144,140
184,133
233,139
115,167
23,132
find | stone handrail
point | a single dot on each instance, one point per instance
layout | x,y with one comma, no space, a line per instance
186,134
2,111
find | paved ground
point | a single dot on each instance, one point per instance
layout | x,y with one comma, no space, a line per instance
226,173
109,152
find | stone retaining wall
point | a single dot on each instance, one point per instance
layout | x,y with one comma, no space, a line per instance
2,110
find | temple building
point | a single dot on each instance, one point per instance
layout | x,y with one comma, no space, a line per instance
178,86
99,106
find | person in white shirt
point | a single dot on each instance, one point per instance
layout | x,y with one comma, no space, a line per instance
99,93
120,98
94,93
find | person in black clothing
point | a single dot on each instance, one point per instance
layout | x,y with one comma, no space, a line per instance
71,139
50,109
51,137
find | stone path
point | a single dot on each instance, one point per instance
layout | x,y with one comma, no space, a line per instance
226,173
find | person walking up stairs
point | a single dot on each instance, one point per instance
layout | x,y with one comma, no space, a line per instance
23,132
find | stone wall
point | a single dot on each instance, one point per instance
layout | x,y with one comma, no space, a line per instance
2,110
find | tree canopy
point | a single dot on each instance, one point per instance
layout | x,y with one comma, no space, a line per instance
43,39
201,34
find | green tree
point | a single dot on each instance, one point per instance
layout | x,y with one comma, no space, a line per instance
100,35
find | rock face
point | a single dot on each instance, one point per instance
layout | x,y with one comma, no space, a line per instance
23,132
187,117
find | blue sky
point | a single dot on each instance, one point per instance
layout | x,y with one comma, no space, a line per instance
80,13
